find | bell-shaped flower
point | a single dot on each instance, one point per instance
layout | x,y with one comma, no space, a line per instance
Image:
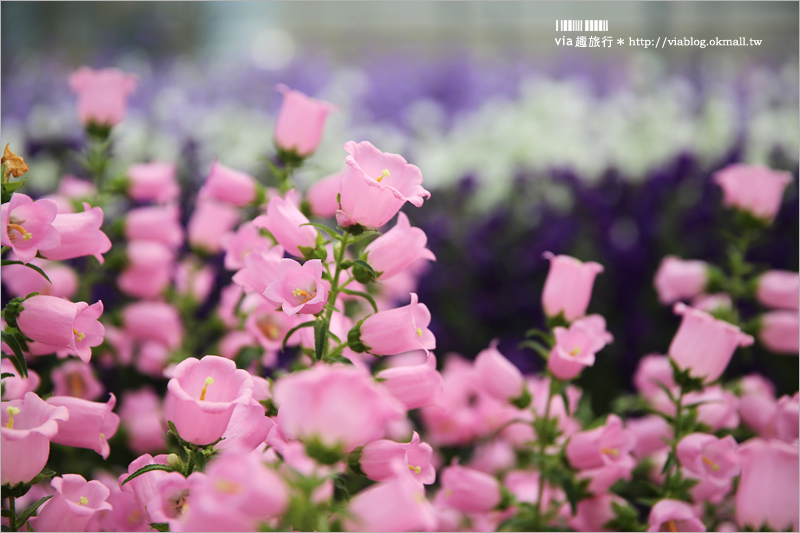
156,321
299,288
708,456
576,347
398,248
378,458
500,378
90,424
28,226
155,223
202,395
80,235
568,287
779,332
779,289
209,222
144,488
704,344
399,330
28,427
63,324
604,445
678,279
375,186
149,269
102,94
239,244
672,515
468,490
286,223
322,195
229,186
414,385
20,280
76,379
74,504
153,182
301,119
754,189
248,427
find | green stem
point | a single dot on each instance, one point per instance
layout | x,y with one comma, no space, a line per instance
286,178
334,292
12,506
544,442
674,467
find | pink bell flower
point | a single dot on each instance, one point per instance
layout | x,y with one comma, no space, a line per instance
209,222
787,418
652,434
379,456
398,504
202,395
568,287
238,244
15,386
300,122
708,456
248,427
76,379
576,347
600,446
754,189
21,280
194,279
80,235
153,182
143,420
299,288
28,426
414,385
780,332
779,289
468,490
90,424
102,94
342,407
149,269
672,515
285,222
74,504
269,327
398,248
156,321
500,378
63,324
703,344
375,186
399,330
155,223
28,226
144,488
322,194
716,407
768,487
229,186
678,279
757,404
594,513
261,269
652,370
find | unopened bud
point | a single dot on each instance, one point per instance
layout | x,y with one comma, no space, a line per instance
174,461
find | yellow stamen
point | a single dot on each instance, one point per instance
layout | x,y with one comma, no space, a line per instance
102,436
384,174
419,332
224,485
670,525
26,235
714,466
134,516
76,385
415,469
305,295
209,381
575,351
11,412
83,501
78,334
610,451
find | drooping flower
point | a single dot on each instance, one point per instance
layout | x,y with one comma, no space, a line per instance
298,129
28,226
90,424
500,378
80,235
15,165
568,287
399,330
398,248
414,385
378,458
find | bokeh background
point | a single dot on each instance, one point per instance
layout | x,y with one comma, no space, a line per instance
602,153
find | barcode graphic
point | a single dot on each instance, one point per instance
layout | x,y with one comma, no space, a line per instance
581,25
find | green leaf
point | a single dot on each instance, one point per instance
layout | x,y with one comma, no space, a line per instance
538,347
364,295
27,513
29,265
324,228
44,474
199,460
159,526
10,188
363,272
146,469
364,235
18,359
320,333
5,375
291,332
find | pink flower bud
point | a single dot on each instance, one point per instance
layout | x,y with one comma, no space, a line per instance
787,418
261,268
143,421
102,94
144,488
414,385
704,344
28,226
339,406
717,407
672,515
28,426
21,280
652,370
76,379
576,347
499,377
652,434
153,182
156,223
375,186
194,279
229,186
300,122
239,244
757,404
768,487
568,287
202,395
754,189
468,490
779,289
74,504
399,330
210,221
149,270
156,321
600,446
708,456
63,324
678,279
379,456
321,195
780,331
299,288
80,235
398,248
285,222
90,424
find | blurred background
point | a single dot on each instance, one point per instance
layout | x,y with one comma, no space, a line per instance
603,153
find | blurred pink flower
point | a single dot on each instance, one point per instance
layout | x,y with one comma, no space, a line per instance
21,280
780,332
155,223
779,289
102,94
143,420
238,244
148,271
468,490
157,321
500,378
398,248
754,189
604,445
285,222
74,504
652,370
414,385
568,287
576,347
399,330
76,379
322,194
379,456
153,182
679,279
229,186
672,515
300,122
14,386
209,222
